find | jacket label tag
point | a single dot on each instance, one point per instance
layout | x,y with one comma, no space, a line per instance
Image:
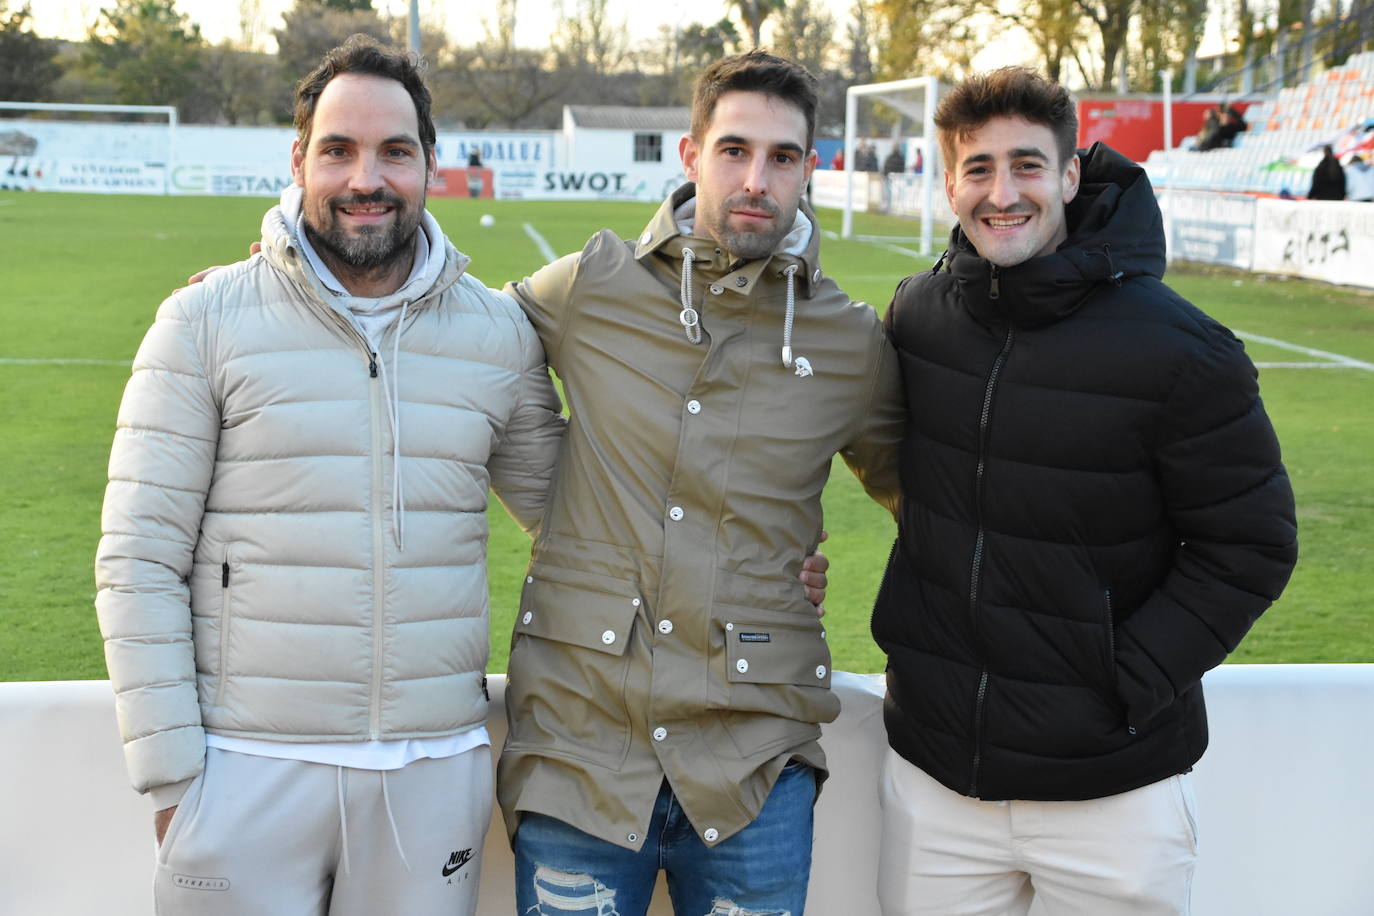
755,637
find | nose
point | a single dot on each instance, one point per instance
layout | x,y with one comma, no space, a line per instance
366,175
756,177
1003,192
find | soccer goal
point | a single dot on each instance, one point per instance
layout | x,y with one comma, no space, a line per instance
886,117
111,149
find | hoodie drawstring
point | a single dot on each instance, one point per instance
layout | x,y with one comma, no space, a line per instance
391,392
691,321
790,273
395,834
343,816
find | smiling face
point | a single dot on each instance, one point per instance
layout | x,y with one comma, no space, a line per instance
1008,188
750,167
364,175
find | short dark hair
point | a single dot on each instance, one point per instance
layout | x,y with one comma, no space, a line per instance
1008,91
755,71
363,54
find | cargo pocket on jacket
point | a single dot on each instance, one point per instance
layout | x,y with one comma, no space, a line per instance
772,662
569,663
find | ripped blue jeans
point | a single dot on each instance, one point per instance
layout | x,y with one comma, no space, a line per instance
761,871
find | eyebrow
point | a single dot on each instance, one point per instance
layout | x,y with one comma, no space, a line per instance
736,140
398,139
1020,152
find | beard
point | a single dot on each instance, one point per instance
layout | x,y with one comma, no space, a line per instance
746,243
372,246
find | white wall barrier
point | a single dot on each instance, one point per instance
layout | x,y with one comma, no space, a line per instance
1213,228
1284,792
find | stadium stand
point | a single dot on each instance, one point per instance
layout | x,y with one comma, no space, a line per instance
1283,141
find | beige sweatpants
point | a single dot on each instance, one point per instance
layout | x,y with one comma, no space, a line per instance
944,854
285,838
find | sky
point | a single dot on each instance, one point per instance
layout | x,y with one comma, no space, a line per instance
535,19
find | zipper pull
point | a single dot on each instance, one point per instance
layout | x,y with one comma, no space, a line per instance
372,364
224,575
993,291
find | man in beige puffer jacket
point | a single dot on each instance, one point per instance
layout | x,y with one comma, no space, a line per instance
292,580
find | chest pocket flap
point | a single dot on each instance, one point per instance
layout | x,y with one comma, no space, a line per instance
580,609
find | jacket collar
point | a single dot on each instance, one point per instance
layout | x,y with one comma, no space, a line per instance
664,236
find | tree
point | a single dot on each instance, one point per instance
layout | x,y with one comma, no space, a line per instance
1113,21
1055,27
242,87
753,13
803,32
588,41
147,52
936,37
312,27
28,64
1167,36
511,83
859,55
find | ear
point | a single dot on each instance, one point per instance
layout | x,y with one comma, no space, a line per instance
691,156
1072,174
949,190
811,159
431,167
297,162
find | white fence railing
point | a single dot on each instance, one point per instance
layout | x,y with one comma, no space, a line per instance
1285,792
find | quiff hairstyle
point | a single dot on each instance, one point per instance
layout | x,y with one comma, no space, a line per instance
366,56
755,71
1007,92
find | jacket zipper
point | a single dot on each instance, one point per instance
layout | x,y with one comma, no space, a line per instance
994,288
1111,652
378,552
984,422
224,595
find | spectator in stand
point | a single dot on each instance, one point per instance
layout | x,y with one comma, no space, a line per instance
894,163
1328,178
837,162
1209,136
1232,123
1359,178
919,163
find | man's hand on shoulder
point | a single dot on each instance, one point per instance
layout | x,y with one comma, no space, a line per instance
813,576
161,821
200,275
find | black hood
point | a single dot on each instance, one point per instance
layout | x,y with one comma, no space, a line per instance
1115,232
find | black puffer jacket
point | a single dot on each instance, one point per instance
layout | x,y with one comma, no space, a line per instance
1094,514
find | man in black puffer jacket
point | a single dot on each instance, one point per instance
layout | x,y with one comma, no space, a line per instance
1094,514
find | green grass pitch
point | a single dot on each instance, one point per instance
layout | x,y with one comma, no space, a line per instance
82,276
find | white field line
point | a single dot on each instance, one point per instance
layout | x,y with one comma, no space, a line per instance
8,361
1332,360
876,241
541,243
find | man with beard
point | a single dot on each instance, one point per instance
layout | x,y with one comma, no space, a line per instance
292,570
668,677
1094,513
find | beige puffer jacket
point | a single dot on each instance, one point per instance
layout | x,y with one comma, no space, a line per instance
257,577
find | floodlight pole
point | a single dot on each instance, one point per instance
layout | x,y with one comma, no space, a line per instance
415,26
1168,76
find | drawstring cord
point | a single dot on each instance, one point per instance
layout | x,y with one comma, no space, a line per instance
395,834
691,321
790,273
343,819
343,816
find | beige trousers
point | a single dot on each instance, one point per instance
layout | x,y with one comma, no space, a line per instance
268,837
945,854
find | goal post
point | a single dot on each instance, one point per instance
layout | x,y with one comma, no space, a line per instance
913,100
156,156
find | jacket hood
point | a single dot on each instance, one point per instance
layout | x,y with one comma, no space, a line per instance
1115,231
279,245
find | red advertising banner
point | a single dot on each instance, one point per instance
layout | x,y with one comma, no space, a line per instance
1135,127
464,182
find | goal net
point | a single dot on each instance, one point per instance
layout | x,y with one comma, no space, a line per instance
102,149
892,162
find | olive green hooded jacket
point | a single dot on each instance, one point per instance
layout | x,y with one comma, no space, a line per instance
663,631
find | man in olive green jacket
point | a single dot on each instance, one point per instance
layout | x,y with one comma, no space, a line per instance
668,677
